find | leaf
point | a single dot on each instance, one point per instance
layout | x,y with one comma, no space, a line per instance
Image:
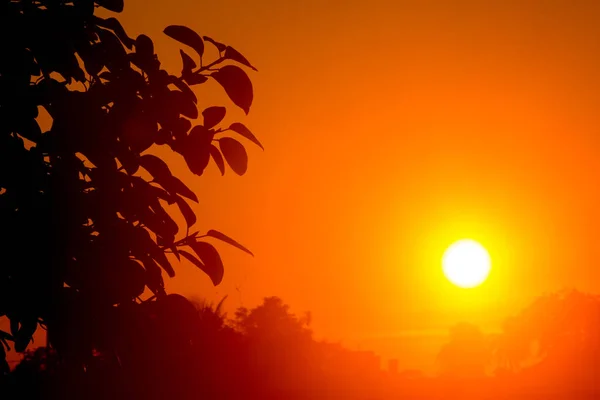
176,252
196,151
93,58
213,115
107,75
25,334
185,35
235,55
186,210
183,104
240,128
158,193
227,239
159,256
195,79
235,155
188,63
220,46
154,279
144,46
127,158
115,55
180,188
114,25
156,224
4,336
84,8
111,5
185,89
216,155
156,167
31,130
237,85
192,259
212,264
14,326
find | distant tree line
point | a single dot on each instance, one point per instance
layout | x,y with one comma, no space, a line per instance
556,338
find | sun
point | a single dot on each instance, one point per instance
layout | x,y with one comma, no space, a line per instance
466,263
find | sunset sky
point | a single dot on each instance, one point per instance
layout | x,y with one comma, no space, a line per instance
392,129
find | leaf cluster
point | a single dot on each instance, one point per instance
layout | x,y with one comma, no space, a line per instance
85,207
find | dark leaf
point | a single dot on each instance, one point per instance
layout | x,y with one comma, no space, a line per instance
138,131
163,136
184,104
93,58
4,366
84,8
144,46
160,257
185,89
156,167
235,55
115,57
132,281
186,210
220,46
245,132
128,160
213,266
227,239
112,5
114,25
237,85
213,115
168,226
216,155
181,128
195,79
107,75
235,155
156,224
159,193
4,336
185,35
188,63
31,130
70,69
154,279
197,149
175,251
25,334
192,259
180,188
14,326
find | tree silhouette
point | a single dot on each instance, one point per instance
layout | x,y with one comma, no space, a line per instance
280,348
555,331
86,209
465,355
509,349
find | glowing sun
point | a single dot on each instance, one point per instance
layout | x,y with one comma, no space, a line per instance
466,263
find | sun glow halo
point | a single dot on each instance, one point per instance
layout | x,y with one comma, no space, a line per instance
466,263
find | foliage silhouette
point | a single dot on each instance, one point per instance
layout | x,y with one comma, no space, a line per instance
561,328
86,210
265,352
268,352
466,354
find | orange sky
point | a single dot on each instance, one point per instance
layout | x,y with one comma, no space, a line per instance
391,129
